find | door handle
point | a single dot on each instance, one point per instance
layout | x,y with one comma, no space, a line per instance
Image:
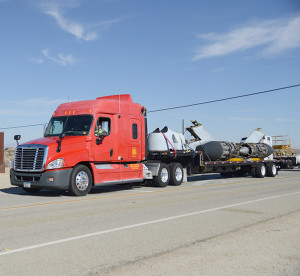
111,152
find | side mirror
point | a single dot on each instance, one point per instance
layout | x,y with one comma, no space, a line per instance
61,135
44,129
17,138
99,139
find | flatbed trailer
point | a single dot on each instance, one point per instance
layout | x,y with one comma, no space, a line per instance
193,162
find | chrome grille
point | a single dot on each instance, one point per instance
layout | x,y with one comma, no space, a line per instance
30,158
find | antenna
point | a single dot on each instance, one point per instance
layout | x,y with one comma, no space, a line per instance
119,104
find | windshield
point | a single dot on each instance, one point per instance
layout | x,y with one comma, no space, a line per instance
69,125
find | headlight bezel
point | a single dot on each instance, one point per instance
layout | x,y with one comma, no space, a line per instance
56,164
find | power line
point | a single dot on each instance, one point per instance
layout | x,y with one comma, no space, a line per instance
225,99
189,105
23,126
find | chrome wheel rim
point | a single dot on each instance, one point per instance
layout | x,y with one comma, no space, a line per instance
263,170
82,181
178,174
164,175
274,169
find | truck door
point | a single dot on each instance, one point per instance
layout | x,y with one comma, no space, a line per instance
105,148
135,140
134,170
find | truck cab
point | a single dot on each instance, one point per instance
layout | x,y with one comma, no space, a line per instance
86,143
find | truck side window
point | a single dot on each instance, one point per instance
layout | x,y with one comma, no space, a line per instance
134,131
102,127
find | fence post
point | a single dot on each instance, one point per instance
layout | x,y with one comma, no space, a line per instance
2,165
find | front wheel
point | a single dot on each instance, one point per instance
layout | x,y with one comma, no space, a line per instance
81,181
163,177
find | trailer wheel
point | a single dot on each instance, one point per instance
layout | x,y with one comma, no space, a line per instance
176,174
31,190
271,170
163,177
80,181
261,171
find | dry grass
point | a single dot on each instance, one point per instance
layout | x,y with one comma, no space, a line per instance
8,156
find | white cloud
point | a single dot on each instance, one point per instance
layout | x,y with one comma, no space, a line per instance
61,59
276,36
57,9
74,28
36,60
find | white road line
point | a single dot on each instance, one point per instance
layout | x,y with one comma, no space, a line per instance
139,224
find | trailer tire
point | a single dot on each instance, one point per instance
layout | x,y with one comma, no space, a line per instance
81,181
261,171
176,174
163,177
271,170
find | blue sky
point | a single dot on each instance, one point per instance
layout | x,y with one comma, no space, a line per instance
164,53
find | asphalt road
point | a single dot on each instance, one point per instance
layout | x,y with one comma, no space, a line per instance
208,226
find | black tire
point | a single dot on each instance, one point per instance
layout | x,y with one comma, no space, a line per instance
261,171
31,190
271,170
163,177
176,174
253,171
81,181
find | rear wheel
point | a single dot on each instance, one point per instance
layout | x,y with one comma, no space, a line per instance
176,174
163,177
261,171
271,170
81,181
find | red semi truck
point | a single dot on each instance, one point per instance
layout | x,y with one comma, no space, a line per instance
105,141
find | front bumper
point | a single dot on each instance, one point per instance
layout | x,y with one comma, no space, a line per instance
56,180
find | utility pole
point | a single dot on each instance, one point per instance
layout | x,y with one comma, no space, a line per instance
2,165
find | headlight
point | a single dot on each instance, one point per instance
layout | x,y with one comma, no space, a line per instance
56,164
13,163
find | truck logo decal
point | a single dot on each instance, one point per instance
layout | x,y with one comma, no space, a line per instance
133,152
